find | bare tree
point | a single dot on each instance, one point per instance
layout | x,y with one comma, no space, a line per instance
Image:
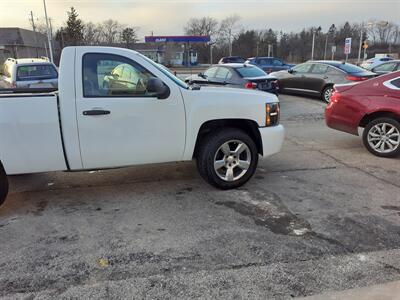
229,30
111,31
202,26
91,34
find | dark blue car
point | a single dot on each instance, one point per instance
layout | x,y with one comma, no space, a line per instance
269,64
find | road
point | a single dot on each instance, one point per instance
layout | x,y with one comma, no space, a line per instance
322,215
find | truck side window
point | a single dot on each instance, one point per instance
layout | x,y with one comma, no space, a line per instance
109,75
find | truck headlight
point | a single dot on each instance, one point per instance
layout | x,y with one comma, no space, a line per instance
272,112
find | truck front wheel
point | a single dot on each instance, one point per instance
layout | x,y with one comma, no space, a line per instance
3,184
227,158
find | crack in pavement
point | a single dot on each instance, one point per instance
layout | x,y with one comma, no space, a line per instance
359,169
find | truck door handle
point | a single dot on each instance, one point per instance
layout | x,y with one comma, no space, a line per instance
96,112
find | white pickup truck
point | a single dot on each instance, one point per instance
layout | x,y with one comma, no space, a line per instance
115,108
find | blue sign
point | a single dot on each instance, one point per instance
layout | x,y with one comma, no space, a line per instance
177,39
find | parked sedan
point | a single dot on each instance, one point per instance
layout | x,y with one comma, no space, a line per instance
231,59
269,64
374,62
373,105
236,76
387,67
318,77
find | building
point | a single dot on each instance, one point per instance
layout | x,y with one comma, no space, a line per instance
21,43
171,50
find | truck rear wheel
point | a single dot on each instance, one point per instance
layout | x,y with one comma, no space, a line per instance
227,158
3,184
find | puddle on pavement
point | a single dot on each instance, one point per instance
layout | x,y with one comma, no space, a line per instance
276,217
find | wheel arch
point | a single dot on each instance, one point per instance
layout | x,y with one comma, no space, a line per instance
248,126
378,114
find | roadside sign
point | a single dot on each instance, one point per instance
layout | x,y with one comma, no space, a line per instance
347,46
333,49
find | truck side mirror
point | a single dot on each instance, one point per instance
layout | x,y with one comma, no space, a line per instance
156,86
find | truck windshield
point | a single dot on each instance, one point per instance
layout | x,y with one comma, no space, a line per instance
166,72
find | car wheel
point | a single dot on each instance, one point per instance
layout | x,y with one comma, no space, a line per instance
327,93
228,158
3,184
382,137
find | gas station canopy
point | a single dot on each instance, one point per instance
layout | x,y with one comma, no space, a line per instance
178,39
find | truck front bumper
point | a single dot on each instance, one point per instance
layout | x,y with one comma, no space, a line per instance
272,139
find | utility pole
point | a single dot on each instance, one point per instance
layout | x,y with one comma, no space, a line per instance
326,45
313,41
361,41
230,42
48,32
313,44
32,20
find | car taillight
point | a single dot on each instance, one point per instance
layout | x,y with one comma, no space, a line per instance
335,97
250,85
355,78
272,113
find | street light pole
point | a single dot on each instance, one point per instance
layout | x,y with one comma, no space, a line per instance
313,44
359,48
326,45
48,32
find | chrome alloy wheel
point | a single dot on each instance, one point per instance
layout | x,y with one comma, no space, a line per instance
383,138
327,95
232,160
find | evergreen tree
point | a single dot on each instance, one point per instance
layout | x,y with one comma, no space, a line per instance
74,29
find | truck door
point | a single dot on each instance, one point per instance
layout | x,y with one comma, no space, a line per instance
123,124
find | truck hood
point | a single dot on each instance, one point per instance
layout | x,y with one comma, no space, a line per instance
226,93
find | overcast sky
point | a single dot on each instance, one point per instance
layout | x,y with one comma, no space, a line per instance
168,17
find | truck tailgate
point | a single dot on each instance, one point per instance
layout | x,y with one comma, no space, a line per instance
30,137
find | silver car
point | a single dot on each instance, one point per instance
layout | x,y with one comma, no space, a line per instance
29,73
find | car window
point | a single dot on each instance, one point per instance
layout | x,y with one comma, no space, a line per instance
387,67
109,75
303,68
250,71
263,61
386,59
210,72
396,82
277,62
36,72
319,69
349,68
223,73
334,71
398,66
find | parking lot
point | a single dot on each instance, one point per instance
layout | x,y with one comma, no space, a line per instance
321,215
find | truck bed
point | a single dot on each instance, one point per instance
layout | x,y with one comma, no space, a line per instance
30,133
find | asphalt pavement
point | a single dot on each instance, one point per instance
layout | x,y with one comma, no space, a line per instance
321,216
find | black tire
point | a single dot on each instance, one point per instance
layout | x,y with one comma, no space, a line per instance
370,129
208,152
3,184
327,93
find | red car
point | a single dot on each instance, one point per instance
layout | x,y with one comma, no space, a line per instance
373,105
